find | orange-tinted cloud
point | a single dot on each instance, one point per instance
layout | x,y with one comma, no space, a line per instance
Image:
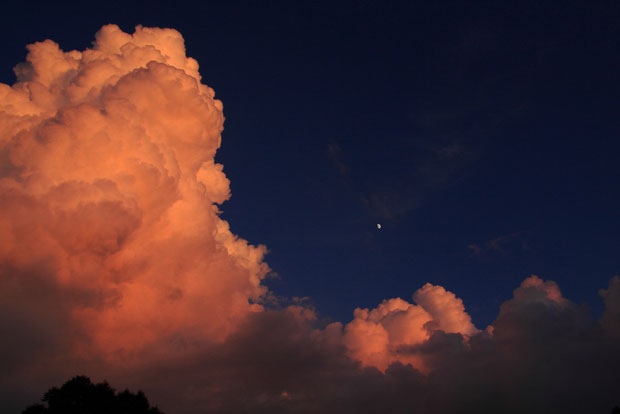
110,188
377,337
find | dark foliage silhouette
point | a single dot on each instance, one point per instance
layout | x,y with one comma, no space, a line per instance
80,396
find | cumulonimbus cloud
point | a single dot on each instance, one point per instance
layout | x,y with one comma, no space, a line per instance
114,263
109,188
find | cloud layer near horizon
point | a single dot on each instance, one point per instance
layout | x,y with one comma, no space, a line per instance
114,263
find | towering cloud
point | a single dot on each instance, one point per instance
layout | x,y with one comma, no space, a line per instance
114,263
108,198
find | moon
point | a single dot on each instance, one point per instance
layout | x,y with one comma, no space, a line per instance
379,226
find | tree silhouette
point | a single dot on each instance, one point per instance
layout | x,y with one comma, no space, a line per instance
80,396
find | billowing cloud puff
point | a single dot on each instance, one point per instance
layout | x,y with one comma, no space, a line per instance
447,310
108,194
377,337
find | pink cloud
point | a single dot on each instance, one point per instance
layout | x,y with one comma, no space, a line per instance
376,337
112,184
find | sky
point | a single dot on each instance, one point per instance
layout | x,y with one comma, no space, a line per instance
200,204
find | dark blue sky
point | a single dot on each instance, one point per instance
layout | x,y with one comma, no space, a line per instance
484,138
